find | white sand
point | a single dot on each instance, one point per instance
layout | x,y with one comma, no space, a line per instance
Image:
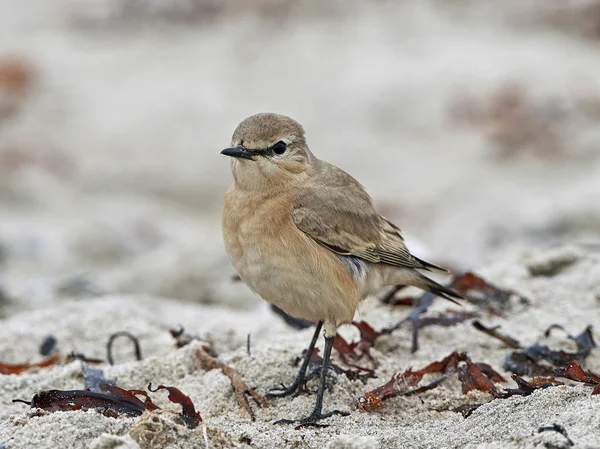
110,219
423,421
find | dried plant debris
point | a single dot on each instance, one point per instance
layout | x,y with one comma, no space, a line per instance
473,376
104,396
55,359
495,333
539,360
208,360
484,295
576,373
403,383
241,389
18,368
467,409
472,287
131,337
559,429
525,388
112,401
419,320
48,346
182,338
189,415
356,351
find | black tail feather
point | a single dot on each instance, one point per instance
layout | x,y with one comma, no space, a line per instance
429,266
440,290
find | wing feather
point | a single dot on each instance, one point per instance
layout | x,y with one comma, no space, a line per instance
339,215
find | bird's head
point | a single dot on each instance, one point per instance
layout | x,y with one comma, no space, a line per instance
268,149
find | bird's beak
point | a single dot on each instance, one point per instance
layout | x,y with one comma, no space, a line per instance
238,152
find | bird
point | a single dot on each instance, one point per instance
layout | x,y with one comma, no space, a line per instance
304,235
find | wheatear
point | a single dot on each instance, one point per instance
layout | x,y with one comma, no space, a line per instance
304,235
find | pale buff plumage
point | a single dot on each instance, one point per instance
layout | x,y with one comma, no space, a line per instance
303,234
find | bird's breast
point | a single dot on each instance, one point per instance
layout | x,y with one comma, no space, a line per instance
282,264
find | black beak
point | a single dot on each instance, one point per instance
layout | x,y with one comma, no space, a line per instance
239,152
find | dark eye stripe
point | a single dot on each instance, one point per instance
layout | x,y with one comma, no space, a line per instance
270,150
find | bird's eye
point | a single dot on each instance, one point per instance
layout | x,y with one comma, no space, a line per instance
280,147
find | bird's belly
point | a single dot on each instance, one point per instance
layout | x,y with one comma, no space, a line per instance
291,280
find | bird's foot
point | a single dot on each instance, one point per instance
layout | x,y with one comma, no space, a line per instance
300,384
330,377
282,391
313,419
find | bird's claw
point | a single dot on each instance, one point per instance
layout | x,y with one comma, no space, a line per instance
312,420
281,391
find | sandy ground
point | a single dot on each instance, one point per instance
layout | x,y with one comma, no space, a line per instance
474,128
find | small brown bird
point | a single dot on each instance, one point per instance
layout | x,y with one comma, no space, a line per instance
304,235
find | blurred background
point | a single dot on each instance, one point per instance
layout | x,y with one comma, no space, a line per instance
474,126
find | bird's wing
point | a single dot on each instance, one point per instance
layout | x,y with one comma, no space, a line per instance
342,219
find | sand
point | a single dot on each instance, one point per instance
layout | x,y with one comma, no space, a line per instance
474,128
424,421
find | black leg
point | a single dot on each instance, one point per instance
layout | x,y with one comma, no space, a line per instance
317,413
296,387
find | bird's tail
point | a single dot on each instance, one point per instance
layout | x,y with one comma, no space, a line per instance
438,289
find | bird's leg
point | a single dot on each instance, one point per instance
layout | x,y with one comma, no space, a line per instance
296,387
317,413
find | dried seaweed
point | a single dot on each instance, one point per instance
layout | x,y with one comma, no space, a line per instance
559,429
525,388
241,389
418,321
467,409
112,400
490,372
473,378
527,361
18,368
493,332
421,306
448,318
182,338
484,295
576,373
134,340
48,345
81,357
55,359
189,415
518,362
398,384
356,351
